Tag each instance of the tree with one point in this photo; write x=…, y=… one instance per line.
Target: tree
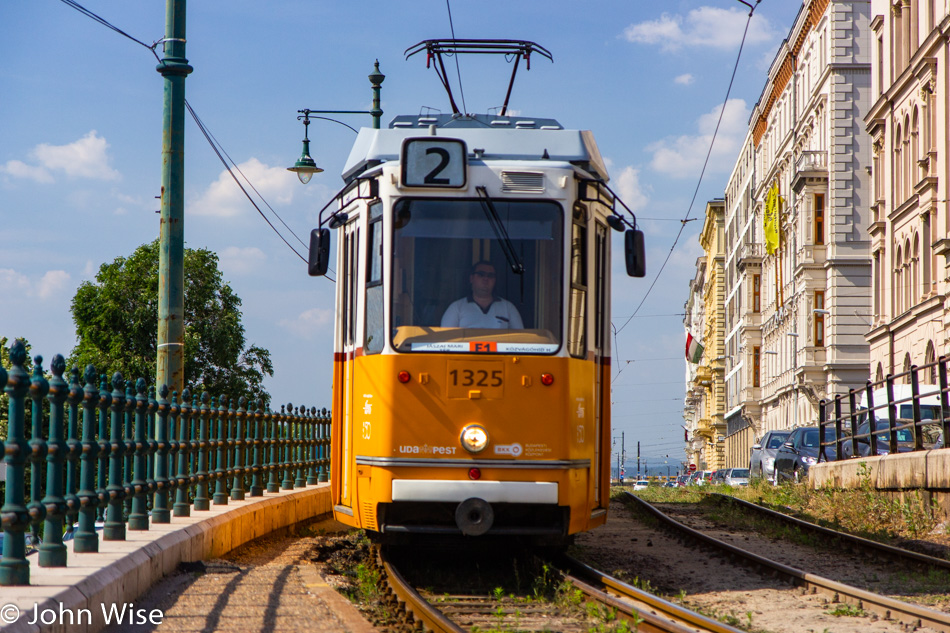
x=117, y=325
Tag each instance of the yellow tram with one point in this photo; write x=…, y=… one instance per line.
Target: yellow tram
x=472, y=340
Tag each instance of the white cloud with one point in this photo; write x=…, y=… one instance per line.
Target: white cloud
x=630, y=190
x=683, y=156
x=224, y=198
x=237, y=260
x=708, y=27
x=684, y=79
x=46, y=287
x=86, y=158
x=52, y=282
x=311, y=324
x=19, y=169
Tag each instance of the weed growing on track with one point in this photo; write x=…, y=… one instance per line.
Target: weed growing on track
x=847, y=610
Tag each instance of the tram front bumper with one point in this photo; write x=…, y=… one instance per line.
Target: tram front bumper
x=490, y=491
x=474, y=508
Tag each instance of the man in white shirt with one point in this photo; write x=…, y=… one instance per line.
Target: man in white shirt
x=482, y=309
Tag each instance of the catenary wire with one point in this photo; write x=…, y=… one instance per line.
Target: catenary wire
x=458, y=68
x=702, y=172
x=212, y=141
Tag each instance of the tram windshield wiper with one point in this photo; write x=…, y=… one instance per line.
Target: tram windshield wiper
x=500, y=232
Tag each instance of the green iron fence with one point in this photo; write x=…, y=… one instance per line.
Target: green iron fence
x=120, y=459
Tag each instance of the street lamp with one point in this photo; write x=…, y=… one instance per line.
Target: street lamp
x=306, y=167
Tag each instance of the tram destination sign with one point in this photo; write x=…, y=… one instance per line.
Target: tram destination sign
x=433, y=161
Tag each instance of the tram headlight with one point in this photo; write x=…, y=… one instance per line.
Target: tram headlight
x=474, y=438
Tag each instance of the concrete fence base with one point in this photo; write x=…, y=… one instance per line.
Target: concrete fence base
x=923, y=472
x=122, y=571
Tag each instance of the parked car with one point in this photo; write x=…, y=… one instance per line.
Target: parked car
x=799, y=452
x=641, y=484
x=905, y=440
x=929, y=402
x=700, y=478
x=718, y=476
x=762, y=461
x=670, y=484
x=736, y=477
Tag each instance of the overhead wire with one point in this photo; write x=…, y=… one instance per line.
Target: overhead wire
x=458, y=68
x=209, y=137
x=702, y=173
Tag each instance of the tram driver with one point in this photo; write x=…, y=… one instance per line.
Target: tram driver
x=481, y=308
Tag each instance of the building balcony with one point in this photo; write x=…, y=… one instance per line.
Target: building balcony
x=749, y=254
x=811, y=168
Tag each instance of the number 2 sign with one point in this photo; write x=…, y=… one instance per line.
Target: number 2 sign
x=433, y=161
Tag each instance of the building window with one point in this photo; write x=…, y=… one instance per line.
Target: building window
x=819, y=318
x=756, y=366
x=756, y=293
x=819, y=218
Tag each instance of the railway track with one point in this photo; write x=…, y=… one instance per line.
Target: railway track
x=613, y=599
x=885, y=607
x=850, y=541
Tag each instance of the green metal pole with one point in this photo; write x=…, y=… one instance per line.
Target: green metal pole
x=171, y=325
x=14, y=568
x=376, y=79
x=52, y=551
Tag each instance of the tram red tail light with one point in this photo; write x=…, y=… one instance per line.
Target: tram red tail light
x=474, y=473
x=547, y=379
x=403, y=376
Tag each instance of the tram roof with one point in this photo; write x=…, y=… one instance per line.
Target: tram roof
x=502, y=138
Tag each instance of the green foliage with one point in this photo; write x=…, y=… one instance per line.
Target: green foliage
x=117, y=325
x=848, y=610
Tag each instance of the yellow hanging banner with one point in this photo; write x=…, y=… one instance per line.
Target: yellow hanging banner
x=771, y=219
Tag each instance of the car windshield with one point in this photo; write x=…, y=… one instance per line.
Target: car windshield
x=739, y=472
x=810, y=437
x=453, y=288
x=776, y=441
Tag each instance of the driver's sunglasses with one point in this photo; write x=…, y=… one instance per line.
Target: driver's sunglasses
x=485, y=274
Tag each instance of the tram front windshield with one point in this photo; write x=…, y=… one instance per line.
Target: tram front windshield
x=453, y=284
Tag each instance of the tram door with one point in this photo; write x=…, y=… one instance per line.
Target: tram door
x=602, y=364
x=349, y=321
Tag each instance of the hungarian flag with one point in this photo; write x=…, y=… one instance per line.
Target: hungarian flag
x=694, y=350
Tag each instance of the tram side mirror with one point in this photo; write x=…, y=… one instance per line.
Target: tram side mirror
x=319, y=252
x=635, y=253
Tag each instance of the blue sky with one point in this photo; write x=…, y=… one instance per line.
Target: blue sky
x=80, y=150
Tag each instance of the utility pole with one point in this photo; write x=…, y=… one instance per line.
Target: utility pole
x=171, y=260
x=638, y=459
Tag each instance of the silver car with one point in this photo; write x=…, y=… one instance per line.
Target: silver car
x=762, y=462
x=737, y=477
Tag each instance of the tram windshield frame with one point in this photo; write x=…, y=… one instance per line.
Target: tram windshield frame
x=438, y=244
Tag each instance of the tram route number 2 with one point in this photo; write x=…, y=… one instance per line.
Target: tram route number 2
x=433, y=161
x=465, y=377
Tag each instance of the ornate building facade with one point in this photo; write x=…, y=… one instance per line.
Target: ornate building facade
x=797, y=253
x=910, y=229
x=706, y=393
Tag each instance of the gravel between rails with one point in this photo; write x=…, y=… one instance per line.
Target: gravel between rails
x=639, y=553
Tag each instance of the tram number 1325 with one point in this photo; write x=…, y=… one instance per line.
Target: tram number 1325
x=475, y=378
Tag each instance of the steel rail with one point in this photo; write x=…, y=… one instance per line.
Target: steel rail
x=652, y=613
x=887, y=607
x=433, y=619
x=880, y=548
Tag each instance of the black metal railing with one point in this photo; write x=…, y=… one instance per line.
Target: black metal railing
x=897, y=414
x=120, y=459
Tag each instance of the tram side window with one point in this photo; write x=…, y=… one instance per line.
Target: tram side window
x=577, y=318
x=375, y=322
